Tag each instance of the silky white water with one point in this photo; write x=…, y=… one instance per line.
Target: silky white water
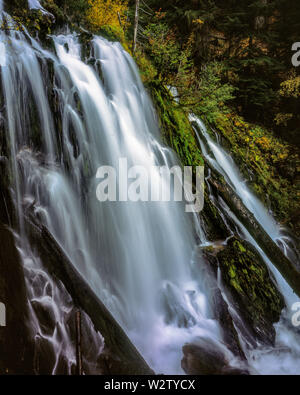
x=284, y=358
x=36, y=5
x=137, y=256
x=221, y=161
x=142, y=251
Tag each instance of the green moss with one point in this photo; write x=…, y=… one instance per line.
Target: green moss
x=268, y=163
x=247, y=279
x=240, y=246
x=175, y=125
x=113, y=33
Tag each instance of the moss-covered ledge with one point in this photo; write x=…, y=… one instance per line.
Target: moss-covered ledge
x=271, y=166
x=254, y=294
x=175, y=126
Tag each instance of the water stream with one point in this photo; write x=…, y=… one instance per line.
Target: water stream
x=284, y=358
x=137, y=256
x=65, y=117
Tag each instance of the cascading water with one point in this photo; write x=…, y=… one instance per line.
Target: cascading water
x=221, y=161
x=284, y=358
x=36, y=5
x=63, y=121
x=137, y=256
x=23, y=88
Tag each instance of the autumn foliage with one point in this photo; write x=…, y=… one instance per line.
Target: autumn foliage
x=105, y=12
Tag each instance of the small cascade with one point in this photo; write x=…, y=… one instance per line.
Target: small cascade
x=284, y=358
x=137, y=256
x=223, y=163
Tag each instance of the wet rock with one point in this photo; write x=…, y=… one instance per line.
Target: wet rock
x=214, y=226
x=173, y=310
x=59, y=266
x=44, y=357
x=230, y=335
x=7, y=212
x=48, y=361
x=11, y=5
x=91, y=61
x=92, y=343
x=45, y=316
x=219, y=305
x=16, y=346
x=288, y=270
x=202, y=359
x=206, y=357
x=252, y=291
x=232, y=371
x=111, y=364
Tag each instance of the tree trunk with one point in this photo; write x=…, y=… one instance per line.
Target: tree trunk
x=136, y=23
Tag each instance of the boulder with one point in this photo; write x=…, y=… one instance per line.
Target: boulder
x=206, y=357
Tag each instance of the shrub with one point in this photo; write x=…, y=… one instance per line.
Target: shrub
x=105, y=12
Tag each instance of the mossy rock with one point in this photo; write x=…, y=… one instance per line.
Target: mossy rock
x=214, y=225
x=269, y=164
x=176, y=128
x=11, y=5
x=253, y=291
x=219, y=306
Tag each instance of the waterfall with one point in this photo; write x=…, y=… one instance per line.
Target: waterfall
x=64, y=118
x=221, y=161
x=35, y=4
x=138, y=257
x=284, y=358
x=141, y=252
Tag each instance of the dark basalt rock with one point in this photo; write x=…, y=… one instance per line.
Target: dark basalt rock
x=7, y=212
x=206, y=357
x=11, y=5
x=45, y=316
x=225, y=320
x=219, y=305
x=213, y=224
x=251, y=289
x=16, y=348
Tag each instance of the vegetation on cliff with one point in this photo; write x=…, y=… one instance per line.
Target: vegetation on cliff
x=220, y=68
